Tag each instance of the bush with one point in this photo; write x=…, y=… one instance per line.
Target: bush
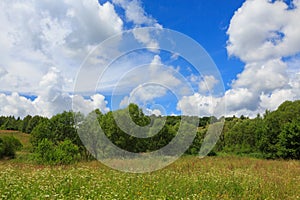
x=8, y=146
x=64, y=153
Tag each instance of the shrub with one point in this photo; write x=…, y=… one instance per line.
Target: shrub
x=8, y=146
x=64, y=153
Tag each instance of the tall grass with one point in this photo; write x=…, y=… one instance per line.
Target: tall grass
x=187, y=178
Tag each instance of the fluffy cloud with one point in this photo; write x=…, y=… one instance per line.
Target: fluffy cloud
x=263, y=76
x=50, y=33
x=37, y=35
x=152, y=81
x=198, y=105
x=134, y=12
x=50, y=100
x=87, y=105
x=261, y=30
x=240, y=98
x=263, y=34
x=208, y=83
x=16, y=105
x=155, y=112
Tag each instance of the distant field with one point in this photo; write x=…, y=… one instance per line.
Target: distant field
x=23, y=137
x=188, y=178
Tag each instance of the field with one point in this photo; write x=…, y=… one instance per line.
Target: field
x=187, y=178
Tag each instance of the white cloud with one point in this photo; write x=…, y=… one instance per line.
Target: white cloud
x=273, y=100
x=50, y=100
x=39, y=34
x=87, y=105
x=261, y=30
x=263, y=76
x=148, y=82
x=154, y=72
x=240, y=98
x=198, y=105
x=155, y=112
x=3, y=72
x=208, y=83
x=144, y=36
x=262, y=34
x=134, y=12
x=147, y=93
x=16, y=105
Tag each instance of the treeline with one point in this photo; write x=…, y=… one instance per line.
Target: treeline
x=59, y=140
x=274, y=135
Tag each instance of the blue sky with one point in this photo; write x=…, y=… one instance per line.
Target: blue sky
x=204, y=21
x=53, y=53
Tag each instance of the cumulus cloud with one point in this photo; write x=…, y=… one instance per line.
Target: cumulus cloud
x=262, y=34
x=198, y=105
x=265, y=36
x=87, y=105
x=152, y=81
x=240, y=98
x=134, y=12
x=51, y=99
x=16, y=105
x=39, y=34
x=208, y=83
x=263, y=76
x=155, y=112
x=262, y=30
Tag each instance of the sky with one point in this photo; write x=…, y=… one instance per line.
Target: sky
x=203, y=58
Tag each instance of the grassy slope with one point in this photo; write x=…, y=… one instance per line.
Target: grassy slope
x=23, y=137
x=208, y=178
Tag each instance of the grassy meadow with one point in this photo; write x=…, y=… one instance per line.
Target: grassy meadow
x=220, y=177
x=187, y=178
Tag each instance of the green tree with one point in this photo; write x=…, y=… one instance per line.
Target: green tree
x=289, y=141
x=33, y=122
x=25, y=123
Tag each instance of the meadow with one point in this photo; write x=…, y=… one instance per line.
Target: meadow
x=188, y=178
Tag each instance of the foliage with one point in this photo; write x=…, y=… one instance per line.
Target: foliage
x=273, y=135
x=289, y=141
x=8, y=146
x=63, y=153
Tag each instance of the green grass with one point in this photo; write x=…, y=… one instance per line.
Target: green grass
x=187, y=178
x=23, y=137
x=221, y=177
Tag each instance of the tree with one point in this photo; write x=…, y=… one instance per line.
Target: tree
x=41, y=132
x=289, y=141
x=25, y=123
x=33, y=122
x=65, y=127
